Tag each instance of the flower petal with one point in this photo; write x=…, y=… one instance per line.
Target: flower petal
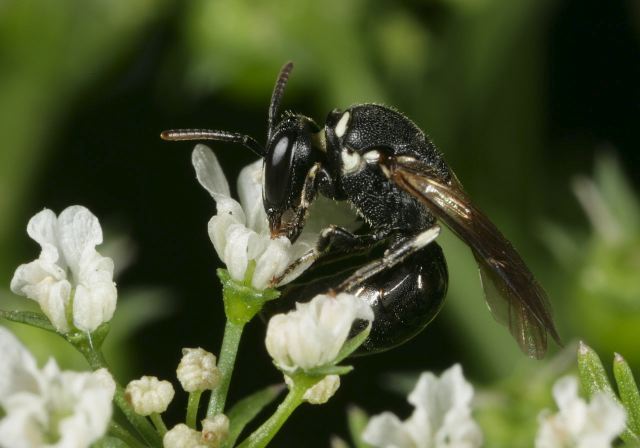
x=43, y=228
x=94, y=306
x=209, y=172
x=386, y=430
x=31, y=274
x=273, y=261
x=54, y=299
x=92, y=408
x=45, y=283
x=78, y=231
x=18, y=367
x=238, y=238
x=250, y=193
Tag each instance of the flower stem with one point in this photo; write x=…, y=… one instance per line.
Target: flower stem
x=192, y=408
x=158, y=423
x=230, y=343
x=96, y=361
x=263, y=435
x=118, y=431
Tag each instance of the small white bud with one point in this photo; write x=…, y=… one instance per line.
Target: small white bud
x=197, y=370
x=215, y=430
x=181, y=436
x=321, y=392
x=149, y=395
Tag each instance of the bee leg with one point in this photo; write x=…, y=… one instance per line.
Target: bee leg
x=333, y=240
x=391, y=257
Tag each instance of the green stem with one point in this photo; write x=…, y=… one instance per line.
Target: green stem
x=158, y=423
x=192, y=408
x=118, y=431
x=141, y=424
x=263, y=435
x=230, y=343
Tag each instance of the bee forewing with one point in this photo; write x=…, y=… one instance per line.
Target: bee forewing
x=514, y=296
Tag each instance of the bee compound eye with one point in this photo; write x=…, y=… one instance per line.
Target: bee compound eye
x=277, y=171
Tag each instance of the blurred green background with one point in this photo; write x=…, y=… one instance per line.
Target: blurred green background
x=535, y=105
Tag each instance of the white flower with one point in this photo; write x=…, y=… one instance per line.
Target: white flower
x=197, y=370
x=580, y=424
x=69, y=271
x=441, y=418
x=320, y=392
x=215, y=430
x=49, y=407
x=240, y=232
x=313, y=334
x=181, y=436
x=148, y=395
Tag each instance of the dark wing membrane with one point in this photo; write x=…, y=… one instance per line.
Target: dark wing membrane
x=514, y=296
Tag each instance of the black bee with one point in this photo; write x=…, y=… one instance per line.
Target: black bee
x=398, y=182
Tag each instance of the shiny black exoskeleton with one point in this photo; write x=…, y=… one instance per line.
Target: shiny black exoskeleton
x=387, y=169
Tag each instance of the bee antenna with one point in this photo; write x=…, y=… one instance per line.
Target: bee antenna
x=220, y=136
x=276, y=96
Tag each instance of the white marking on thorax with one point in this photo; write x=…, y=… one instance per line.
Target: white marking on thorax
x=341, y=127
x=372, y=156
x=351, y=161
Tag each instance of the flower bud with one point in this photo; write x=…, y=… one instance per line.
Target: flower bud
x=197, y=370
x=215, y=430
x=321, y=392
x=181, y=436
x=148, y=395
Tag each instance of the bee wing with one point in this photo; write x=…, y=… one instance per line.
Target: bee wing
x=513, y=295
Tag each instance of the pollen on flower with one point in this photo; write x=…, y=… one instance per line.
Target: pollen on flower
x=215, y=430
x=197, y=370
x=148, y=395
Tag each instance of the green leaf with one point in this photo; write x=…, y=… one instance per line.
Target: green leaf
x=245, y=410
x=594, y=379
x=352, y=344
x=357, y=420
x=628, y=393
x=592, y=374
x=33, y=318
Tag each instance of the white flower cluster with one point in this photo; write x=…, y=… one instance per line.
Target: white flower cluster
x=580, y=424
x=69, y=278
x=313, y=334
x=240, y=232
x=50, y=407
x=441, y=418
